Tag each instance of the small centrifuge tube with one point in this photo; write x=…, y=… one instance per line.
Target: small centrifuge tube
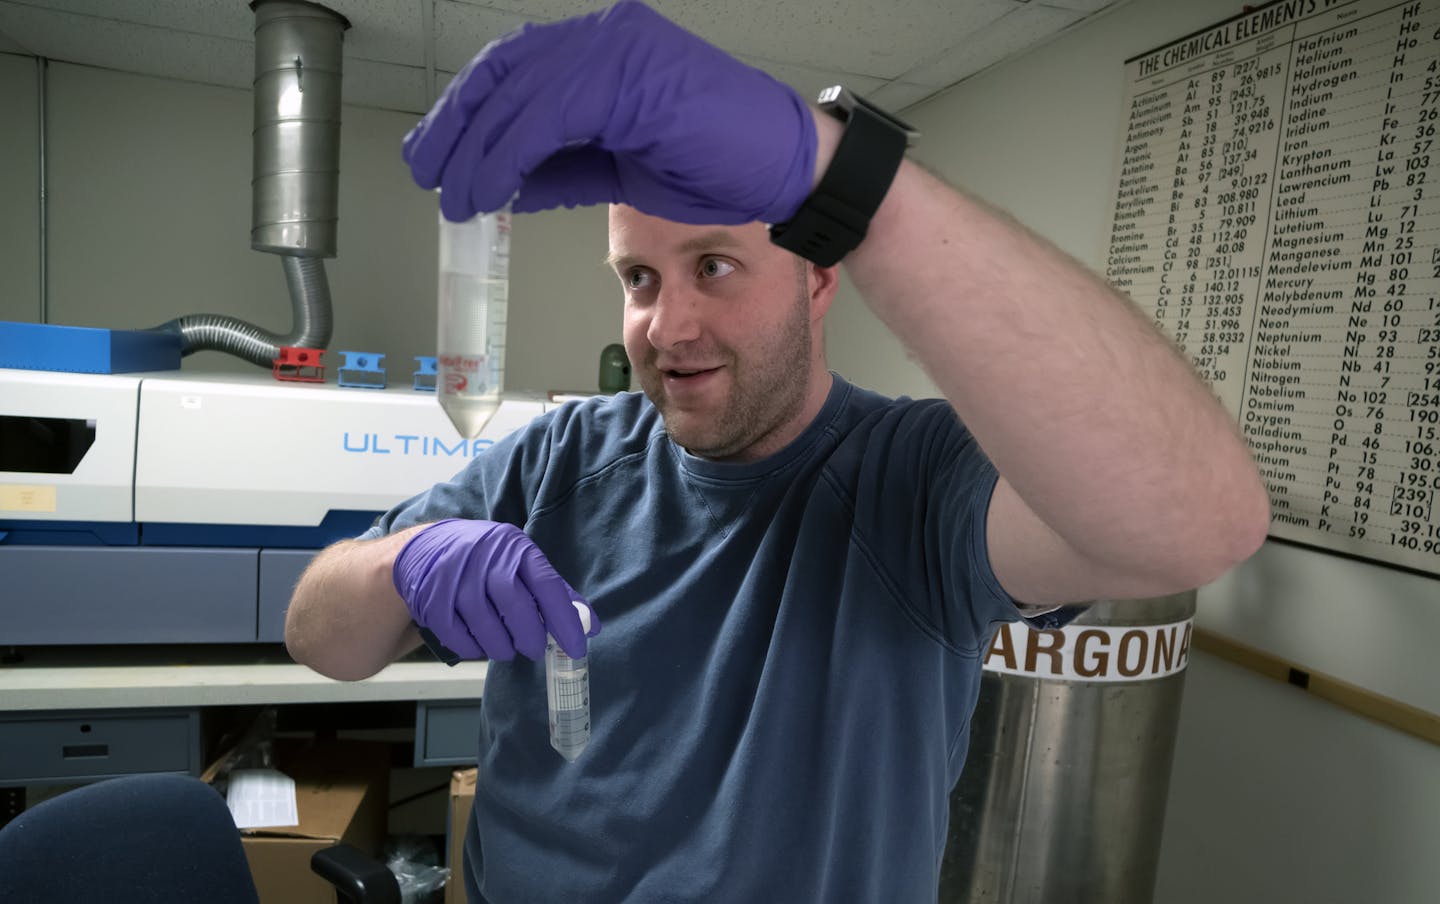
x=567, y=693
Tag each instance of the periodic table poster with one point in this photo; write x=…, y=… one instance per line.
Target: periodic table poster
x=1278, y=214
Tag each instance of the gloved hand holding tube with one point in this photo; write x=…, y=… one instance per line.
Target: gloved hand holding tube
x=619, y=106
x=486, y=591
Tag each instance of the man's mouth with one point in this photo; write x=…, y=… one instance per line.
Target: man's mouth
x=680, y=373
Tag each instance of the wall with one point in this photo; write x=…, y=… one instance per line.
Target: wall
x=1278, y=797
x=149, y=218
x=1275, y=796
x=19, y=189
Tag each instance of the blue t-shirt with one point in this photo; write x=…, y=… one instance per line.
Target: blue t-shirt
x=790, y=655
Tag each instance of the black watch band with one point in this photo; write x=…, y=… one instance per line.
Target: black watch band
x=834, y=219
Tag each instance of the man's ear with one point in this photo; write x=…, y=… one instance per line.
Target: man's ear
x=821, y=283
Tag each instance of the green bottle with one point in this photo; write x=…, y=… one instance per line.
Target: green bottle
x=614, y=369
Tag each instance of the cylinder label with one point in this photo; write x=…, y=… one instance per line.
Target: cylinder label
x=1091, y=652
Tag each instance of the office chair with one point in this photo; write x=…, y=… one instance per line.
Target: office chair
x=152, y=839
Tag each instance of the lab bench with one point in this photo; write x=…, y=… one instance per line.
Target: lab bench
x=79, y=714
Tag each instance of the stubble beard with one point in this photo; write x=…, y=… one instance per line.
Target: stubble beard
x=767, y=392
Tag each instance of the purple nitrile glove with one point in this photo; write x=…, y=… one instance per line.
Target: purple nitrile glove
x=487, y=592
x=619, y=106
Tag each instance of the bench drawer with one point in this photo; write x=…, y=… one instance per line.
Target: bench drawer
x=447, y=733
x=78, y=747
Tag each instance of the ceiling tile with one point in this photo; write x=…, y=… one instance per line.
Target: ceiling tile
x=916, y=43
x=809, y=82
x=386, y=86
x=841, y=34
x=1006, y=37
x=1082, y=6
x=385, y=30
x=10, y=46
x=844, y=34
x=220, y=18
x=129, y=47
x=462, y=29
x=541, y=10
x=388, y=31
x=896, y=96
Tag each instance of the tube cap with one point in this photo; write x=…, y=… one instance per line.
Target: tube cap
x=584, y=611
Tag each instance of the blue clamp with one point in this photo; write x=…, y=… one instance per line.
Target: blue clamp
x=361, y=370
x=427, y=375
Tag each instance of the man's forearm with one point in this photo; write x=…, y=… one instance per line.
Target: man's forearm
x=1093, y=417
x=345, y=619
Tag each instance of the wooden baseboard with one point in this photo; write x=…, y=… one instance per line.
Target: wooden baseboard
x=1401, y=716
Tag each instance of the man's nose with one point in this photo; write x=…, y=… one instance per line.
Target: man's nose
x=675, y=317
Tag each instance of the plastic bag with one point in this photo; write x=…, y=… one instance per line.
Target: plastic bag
x=255, y=749
x=414, y=862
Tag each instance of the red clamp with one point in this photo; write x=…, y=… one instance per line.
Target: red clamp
x=299, y=365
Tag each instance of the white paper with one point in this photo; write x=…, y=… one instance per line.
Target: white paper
x=262, y=798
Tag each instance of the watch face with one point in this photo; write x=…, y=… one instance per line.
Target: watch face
x=841, y=103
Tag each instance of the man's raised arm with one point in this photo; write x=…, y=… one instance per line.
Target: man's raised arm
x=1121, y=475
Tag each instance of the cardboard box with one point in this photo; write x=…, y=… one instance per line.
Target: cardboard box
x=462, y=801
x=341, y=794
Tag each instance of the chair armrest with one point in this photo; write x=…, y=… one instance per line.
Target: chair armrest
x=358, y=877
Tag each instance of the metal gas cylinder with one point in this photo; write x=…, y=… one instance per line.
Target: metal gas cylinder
x=1063, y=793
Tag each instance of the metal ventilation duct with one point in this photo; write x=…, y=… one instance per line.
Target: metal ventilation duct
x=296, y=185
x=296, y=174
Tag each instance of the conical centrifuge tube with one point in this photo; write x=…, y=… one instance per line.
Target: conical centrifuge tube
x=473, y=291
x=567, y=694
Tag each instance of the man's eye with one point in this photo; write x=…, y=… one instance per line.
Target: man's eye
x=714, y=267
x=637, y=279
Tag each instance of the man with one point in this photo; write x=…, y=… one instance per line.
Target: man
x=797, y=578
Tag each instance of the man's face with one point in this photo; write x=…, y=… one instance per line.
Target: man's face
x=719, y=328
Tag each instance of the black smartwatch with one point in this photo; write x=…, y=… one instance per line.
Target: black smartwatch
x=833, y=220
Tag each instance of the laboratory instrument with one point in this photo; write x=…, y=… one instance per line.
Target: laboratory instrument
x=145, y=507
x=473, y=286
x=161, y=508
x=567, y=694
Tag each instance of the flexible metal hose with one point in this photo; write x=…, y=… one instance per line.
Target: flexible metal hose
x=309, y=302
